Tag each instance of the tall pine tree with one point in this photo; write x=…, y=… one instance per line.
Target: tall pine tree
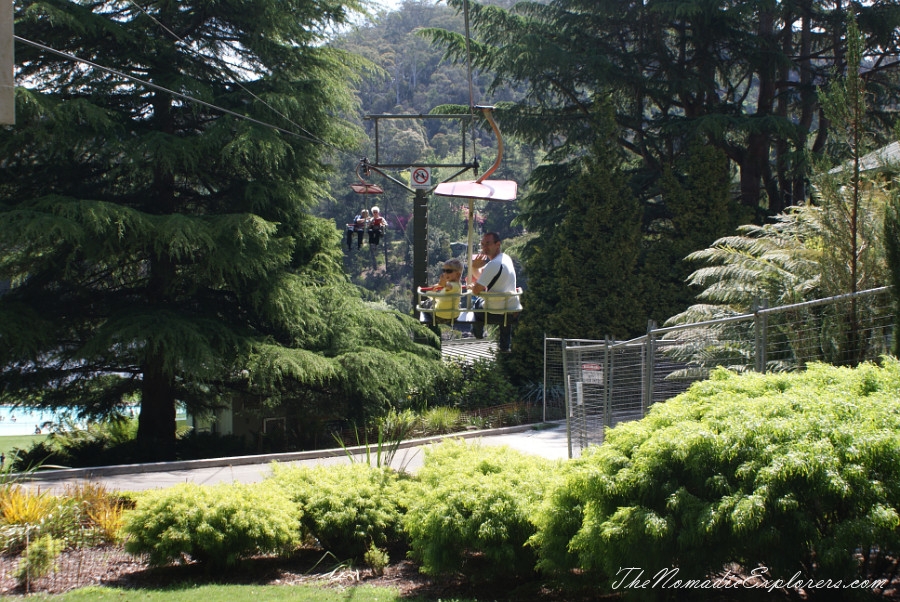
x=697, y=208
x=159, y=247
x=582, y=272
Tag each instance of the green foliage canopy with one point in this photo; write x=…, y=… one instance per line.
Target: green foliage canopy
x=475, y=499
x=159, y=249
x=793, y=472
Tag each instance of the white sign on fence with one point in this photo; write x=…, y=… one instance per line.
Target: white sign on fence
x=592, y=374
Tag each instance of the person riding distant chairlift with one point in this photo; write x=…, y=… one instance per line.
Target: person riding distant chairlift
x=376, y=226
x=493, y=271
x=358, y=225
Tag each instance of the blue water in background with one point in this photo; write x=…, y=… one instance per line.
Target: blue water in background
x=21, y=421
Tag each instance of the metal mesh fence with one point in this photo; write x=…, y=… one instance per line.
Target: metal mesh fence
x=843, y=331
x=607, y=382
x=554, y=383
x=82, y=563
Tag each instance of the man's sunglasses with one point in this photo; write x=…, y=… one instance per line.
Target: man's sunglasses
x=448, y=270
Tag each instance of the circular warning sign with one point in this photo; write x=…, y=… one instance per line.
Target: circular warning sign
x=420, y=177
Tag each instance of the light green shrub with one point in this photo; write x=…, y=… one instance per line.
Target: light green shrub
x=440, y=421
x=473, y=499
x=215, y=525
x=797, y=473
x=39, y=559
x=376, y=559
x=347, y=507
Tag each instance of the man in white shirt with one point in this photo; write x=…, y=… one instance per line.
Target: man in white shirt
x=493, y=271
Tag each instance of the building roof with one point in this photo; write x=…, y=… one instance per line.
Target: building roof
x=468, y=350
x=883, y=158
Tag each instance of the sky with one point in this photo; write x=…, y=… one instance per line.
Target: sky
x=395, y=4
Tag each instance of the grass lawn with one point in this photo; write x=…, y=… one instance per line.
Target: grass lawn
x=236, y=593
x=19, y=441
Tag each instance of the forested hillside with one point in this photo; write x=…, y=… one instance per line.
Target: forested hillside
x=409, y=75
x=708, y=114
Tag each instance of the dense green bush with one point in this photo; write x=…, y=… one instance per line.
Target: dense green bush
x=217, y=525
x=464, y=385
x=798, y=473
x=475, y=500
x=484, y=384
x=347, y=508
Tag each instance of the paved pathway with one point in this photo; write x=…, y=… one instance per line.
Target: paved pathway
x=547, y=440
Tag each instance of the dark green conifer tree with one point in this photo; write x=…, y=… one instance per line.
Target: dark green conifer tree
x=696, y=208
x=158, y=247
x=581, y=272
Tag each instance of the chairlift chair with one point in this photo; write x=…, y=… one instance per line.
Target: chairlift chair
x=482, y=188
x=489, y=190
x=364, y=187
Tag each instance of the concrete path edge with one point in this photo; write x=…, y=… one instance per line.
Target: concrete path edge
x=120, y=469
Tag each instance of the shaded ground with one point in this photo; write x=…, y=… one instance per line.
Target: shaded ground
x=112, y=567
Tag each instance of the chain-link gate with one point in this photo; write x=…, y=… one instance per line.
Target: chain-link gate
x=613, y=382
x=608, y=382
x=553, y=393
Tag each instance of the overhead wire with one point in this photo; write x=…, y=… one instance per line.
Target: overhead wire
x=180, y=95
x=188, y=98
x=306, y=135
x=220, y=63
